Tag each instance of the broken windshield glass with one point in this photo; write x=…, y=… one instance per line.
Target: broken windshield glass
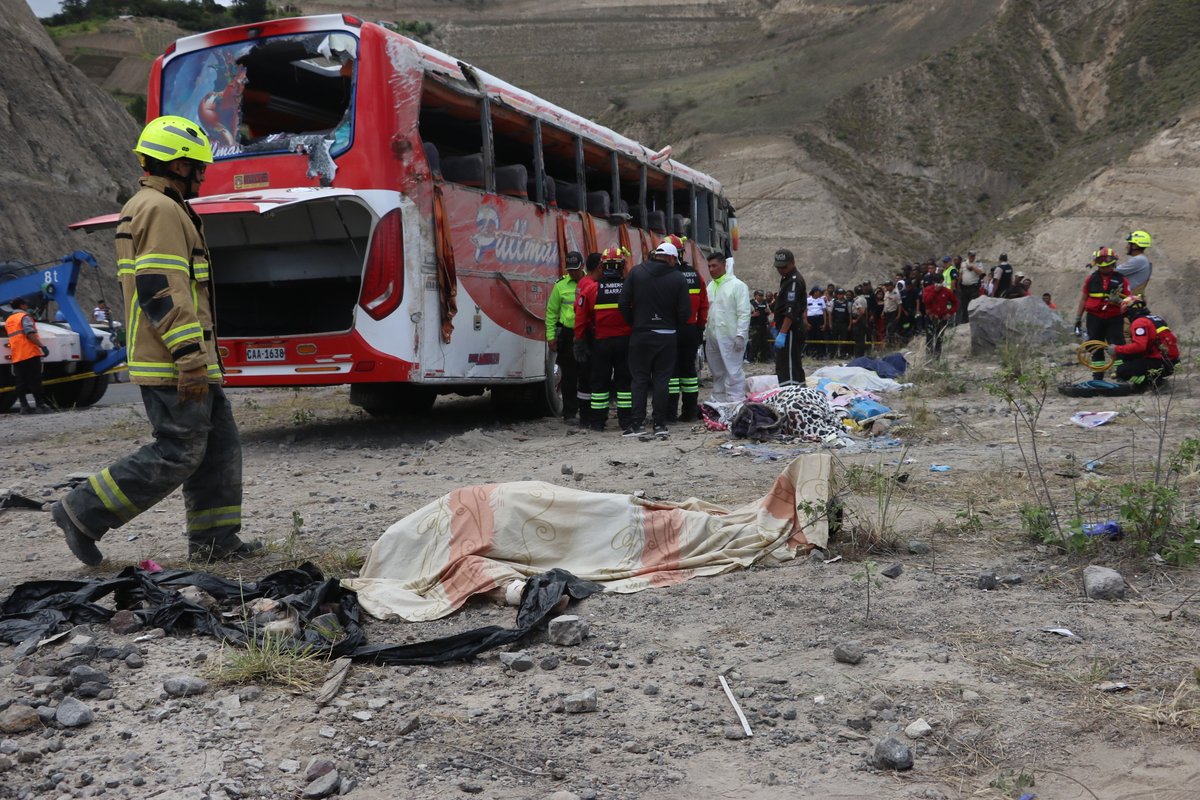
x=278, y=94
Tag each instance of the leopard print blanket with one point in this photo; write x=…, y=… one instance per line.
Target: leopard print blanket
x=805, y=414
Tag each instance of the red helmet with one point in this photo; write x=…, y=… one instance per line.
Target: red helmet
x=612, y=254
x=675, y=240
x=1105, y=257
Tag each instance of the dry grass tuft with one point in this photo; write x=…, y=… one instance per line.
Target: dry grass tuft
x=272, y=661
x=1179, y=709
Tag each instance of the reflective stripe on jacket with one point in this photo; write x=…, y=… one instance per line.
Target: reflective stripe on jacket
x=19, y=345
x=1098, y=291
x=162, y=263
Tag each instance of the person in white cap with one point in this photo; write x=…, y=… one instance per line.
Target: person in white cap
x=725, y=335
x=655, y=303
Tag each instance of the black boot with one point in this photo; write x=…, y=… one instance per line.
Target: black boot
x=673, y=407
x=691, y=407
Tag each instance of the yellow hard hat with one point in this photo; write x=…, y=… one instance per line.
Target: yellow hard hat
x=1140, y=239
x=168, y=138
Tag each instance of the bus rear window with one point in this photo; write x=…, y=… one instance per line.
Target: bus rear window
x=264, y=95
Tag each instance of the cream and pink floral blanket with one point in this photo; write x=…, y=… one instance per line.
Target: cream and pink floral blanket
x=480, y=538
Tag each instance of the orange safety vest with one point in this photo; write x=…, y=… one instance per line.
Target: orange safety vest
x=18, y=343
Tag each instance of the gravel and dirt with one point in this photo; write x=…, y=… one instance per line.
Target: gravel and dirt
x=1006, y=708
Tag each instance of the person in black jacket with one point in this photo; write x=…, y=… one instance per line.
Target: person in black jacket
x=790, y=310
x=655, y=303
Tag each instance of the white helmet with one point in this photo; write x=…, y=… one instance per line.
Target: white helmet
x=667, y=249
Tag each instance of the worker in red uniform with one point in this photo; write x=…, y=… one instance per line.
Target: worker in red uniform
x=685, y=382
x=598, y=320
x=582, y=345
x=25, y=349
x=1103, y=292
x=941, y=305
x=1152, y=352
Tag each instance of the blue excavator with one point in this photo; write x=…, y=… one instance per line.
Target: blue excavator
x=80, y=354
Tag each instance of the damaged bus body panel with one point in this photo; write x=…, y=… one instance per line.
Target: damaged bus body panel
x=383, y=215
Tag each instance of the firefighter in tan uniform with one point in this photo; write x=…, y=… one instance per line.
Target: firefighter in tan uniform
x=162, y=263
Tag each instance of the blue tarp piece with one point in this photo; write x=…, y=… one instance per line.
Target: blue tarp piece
x=890, y=366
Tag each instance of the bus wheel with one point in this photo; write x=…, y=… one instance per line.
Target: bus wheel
x=547, y=398
x=392, y=399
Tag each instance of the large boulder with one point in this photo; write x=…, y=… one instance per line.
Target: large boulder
x=1025, y=321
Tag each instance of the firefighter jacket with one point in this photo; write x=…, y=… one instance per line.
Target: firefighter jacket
x=1102, y=294
x=162, y=263
x=560, y=307
x=20, y=326
x=1143, y=340
x=596, y=312
x=697, y=296
x=728, y=309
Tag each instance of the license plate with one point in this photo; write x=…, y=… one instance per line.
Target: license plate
x=265, y=354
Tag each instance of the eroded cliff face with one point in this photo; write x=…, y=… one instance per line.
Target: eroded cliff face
x=64, y=150
x=860, y=135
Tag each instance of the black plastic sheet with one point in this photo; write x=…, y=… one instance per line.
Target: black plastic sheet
x=328, y=615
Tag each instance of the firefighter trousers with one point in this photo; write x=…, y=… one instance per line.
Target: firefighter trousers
x=685, y=379
x=1105, y=329
x=609, y=376
x=196, y=446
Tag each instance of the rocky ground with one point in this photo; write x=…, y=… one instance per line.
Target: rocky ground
x=949, y=666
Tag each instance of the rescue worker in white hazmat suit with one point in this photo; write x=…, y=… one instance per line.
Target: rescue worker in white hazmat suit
x=725, y=335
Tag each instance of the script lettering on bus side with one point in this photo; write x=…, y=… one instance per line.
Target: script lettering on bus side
x=513, y=246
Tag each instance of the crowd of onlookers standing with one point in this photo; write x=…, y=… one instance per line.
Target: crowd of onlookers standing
x=919, y=299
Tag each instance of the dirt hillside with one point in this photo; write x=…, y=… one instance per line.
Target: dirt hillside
x=64, y=144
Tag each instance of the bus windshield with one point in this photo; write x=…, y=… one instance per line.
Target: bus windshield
x=268, y=95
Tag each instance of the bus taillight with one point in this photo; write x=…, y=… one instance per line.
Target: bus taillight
x=383, y=282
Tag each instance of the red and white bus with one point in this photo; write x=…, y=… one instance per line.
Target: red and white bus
x=383, y=215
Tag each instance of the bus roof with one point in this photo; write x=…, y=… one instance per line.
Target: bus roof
x=435, y=61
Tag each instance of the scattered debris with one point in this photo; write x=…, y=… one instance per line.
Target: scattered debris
x=1093, y=419
x=736, y=708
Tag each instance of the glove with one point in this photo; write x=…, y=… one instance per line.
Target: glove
x=1079, y=327
x=45, y=351
x=1111, y=350
x=739, y=343
x=781, y=340
x=580, y=350
x=193, y=385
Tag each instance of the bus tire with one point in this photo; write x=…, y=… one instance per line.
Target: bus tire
x=392, y=399
x=547, y=398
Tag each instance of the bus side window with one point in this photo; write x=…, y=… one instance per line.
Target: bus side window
x=451, y=129
x=558, y=152
x=513, y=144
x=597, y=165
x=656, y=201
x=630, y=203
x=700, y=224
x=681, y=220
